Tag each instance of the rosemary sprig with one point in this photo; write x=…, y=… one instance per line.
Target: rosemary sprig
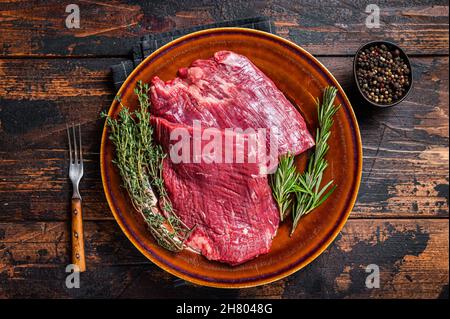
x=139, y=160
x=303, y=190
x=284, y=183
x=309, y=195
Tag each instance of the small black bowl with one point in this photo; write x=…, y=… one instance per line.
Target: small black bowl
x=391, y=46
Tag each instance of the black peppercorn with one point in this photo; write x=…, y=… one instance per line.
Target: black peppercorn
x=382, y=73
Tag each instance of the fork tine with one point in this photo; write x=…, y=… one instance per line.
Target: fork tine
x=75, y=144
x=70, y=144
x=81, y=148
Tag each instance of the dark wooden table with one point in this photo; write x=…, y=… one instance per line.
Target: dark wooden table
x=51, y=75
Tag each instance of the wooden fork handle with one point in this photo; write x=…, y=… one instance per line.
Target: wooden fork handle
x=78, y=257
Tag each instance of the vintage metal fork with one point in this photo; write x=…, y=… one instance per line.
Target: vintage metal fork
x=75, y=174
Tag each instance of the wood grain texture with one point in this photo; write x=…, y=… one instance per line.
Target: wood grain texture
x=37, y=28
x=77, y=236
x=412, y=257
x=403, y=146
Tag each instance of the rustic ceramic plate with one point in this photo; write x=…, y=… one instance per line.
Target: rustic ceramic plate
x=301, y=78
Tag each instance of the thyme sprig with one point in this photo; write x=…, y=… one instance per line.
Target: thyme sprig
x=303, y=192
x=139, y=160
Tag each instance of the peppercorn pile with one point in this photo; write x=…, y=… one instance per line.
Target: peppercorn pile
x=382, y=73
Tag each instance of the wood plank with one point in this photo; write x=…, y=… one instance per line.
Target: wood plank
x=405, y=169
x=37, y=28
x=412, y=256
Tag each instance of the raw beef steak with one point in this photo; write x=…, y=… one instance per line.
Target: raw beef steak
x=228, y=91
x=230, y=203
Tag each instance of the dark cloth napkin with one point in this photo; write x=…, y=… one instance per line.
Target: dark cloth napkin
x=152, y=42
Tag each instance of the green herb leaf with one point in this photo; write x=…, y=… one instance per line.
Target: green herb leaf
x=283, y=183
